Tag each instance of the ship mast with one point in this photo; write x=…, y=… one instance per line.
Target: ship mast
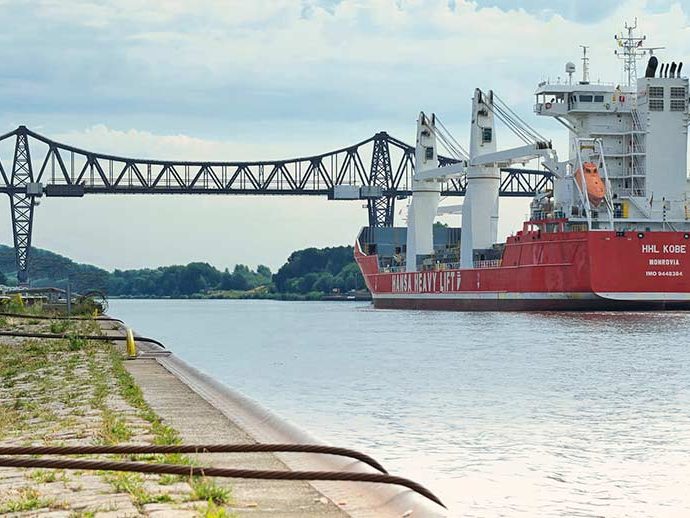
x=633, y=49
x=585, y=65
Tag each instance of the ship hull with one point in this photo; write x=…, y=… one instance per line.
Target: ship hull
x=520, y=302
x=567, y=271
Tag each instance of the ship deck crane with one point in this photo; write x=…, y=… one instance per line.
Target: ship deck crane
x=498, y=159
x=481, y=167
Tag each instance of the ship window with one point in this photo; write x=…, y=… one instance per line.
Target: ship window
x=677, y=105
x=656, y=105
x=677, y=92
x=585, y=98
x=429, y=153
x=486, y=135
x=656, y=91
x=598, y=98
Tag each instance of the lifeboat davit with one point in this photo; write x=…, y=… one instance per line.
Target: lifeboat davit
x=596, y=190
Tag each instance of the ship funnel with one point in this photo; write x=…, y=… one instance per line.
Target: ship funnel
x=651, y=67
x=672, y=72
x=680, y=65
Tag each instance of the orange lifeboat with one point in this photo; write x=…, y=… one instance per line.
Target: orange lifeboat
x=596, y=190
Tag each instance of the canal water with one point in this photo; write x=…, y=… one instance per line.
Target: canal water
x=514, y=414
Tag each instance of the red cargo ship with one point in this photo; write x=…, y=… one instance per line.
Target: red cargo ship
x=612, y=234
x=538, y=271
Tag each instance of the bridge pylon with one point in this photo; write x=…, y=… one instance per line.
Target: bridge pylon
x=22, y=204
x=381, y=210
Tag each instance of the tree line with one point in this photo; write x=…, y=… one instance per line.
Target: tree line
x=311, y=271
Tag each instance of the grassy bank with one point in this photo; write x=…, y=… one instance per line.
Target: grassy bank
x=74, y=391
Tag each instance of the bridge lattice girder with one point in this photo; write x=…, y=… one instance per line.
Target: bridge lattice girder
x=42, y=166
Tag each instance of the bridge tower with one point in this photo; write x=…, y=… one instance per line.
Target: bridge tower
x=381, y=209
x=22, y=204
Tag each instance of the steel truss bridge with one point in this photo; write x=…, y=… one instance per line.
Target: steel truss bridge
x=378, y=170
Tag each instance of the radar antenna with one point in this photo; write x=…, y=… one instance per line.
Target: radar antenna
x=633, y=49
x=585, y=65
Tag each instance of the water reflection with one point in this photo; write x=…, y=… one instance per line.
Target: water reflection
x=535, y=414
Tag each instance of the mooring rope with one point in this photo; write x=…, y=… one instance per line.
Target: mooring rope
x=62, y=336
x=191, y=448
x=44, y=317
x=176, y=469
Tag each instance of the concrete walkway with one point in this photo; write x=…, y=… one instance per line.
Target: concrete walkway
x=198, y=422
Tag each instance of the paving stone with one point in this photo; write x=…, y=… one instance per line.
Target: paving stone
x=57, y=409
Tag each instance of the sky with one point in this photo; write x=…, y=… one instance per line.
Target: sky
x=264, y=79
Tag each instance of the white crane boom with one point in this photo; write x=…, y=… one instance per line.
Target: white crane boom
x=515, y=155
x=441, y=174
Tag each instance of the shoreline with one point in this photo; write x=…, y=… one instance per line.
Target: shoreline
x=196, y=408
x=285, y=297
x=360, y=500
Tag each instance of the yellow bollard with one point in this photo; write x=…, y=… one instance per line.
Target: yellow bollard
x=131, y=346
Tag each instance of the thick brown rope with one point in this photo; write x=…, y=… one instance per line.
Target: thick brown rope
x=173, y=469
x=191, y=448
x=60, y=317
x=102, y=338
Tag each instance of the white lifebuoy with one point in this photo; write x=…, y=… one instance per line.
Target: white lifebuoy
x=547, y=106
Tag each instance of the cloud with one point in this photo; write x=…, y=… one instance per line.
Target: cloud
x=581, y=11
x=262, y=79
x=236, y=62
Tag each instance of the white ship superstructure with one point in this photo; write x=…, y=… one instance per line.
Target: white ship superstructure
x=635, y=134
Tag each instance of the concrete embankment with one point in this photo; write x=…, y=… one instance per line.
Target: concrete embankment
x=79, y=392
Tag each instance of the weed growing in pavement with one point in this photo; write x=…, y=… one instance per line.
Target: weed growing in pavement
x=114, y=429
x=133, y=484
x=59, y=326
x=207, y=489
x=43, y=476
x=213, y=511
x=28, y=499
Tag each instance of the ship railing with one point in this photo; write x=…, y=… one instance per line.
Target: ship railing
x=637, y=122
x=387, y=268
x=631, y=192
x=488, y=263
